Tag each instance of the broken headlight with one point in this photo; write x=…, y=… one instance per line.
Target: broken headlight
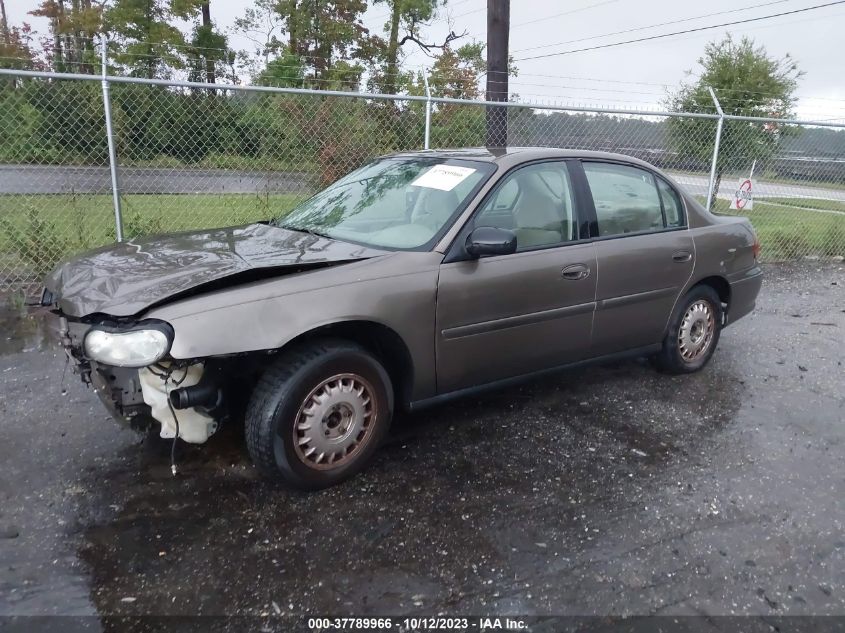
x=137, y=346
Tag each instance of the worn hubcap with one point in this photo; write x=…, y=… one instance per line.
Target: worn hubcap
x=696, y=332
x=334, y=421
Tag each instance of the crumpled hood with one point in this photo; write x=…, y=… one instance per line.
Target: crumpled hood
x=126, y=278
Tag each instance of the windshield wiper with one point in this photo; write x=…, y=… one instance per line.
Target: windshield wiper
x=301, y=230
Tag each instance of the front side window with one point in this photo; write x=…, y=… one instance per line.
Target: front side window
x=401, y=203
x=625, y=198
x=536, y=203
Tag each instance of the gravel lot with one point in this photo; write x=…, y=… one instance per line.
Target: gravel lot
x=610, y=490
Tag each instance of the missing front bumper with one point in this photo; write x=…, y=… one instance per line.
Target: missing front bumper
x=190, y=424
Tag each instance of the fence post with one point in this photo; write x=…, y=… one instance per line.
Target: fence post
x=427, y=110
x=710, y=193
x=115, y=189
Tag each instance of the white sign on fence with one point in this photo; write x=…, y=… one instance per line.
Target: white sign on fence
x=743, y=197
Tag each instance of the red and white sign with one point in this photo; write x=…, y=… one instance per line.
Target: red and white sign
x=743, y=197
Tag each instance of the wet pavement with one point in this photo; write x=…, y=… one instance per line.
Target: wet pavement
x=610, y=490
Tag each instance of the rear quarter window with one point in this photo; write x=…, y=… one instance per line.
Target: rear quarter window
x=672, y=205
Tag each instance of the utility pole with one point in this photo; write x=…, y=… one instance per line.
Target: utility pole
x=7, y=40
x=209, y=55
x=498, y=28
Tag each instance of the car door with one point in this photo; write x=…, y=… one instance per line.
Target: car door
x=644, y=251
x=508, y=315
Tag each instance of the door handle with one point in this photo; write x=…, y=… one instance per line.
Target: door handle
x=679, y=257
x=575, y=272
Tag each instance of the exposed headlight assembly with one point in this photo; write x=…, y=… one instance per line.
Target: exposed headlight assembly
x=136, y=346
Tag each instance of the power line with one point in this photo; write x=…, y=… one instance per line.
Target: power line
x=579, y=101
x=695, y=30
x=585, y=88
x=610, y=81
x=578, y=10
x=650, y=26
x=460, y=15
x=387, y=13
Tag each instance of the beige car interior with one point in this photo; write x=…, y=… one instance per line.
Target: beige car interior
x=540, y=214
x=625, y=198
x=433, y=208
x=431, y=211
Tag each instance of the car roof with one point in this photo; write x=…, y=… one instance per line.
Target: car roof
x=510, y=156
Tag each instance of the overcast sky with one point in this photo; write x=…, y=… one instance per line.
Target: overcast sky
x=632, y=75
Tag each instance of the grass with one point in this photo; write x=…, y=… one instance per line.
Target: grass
x=37, y=231
x=804, y=203
x=793, y=227
x=88, y=220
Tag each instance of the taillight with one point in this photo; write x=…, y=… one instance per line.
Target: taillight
x=755, y=248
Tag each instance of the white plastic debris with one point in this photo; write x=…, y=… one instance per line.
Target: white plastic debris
x=194, y=427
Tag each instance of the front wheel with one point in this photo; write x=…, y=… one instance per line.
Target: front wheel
x=318, y=414
x=693, y=332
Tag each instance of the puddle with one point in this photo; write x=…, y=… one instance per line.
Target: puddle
x=23, y=330
x=613, y=489
x=437, y=521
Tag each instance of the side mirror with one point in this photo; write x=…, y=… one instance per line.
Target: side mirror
x=489, y=240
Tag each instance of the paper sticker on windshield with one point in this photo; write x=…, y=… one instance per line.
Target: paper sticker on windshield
x=443, y=177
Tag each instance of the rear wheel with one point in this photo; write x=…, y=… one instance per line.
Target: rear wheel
x=318, y=414
x=693, y=332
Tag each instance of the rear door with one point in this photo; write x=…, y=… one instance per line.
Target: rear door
x=508, y=315
x=645, y=254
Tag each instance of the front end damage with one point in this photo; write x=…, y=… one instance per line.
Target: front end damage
x=109, y=290
x=185, y=397
x=166, y=388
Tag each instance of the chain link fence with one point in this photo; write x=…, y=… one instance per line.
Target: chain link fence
x=197, y=156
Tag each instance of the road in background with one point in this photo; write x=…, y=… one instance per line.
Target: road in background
x=54, y=179
x=697, y=184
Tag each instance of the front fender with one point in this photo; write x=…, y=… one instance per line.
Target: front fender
x=398, y=291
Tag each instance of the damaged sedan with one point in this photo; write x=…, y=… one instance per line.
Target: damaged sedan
x=418, y=277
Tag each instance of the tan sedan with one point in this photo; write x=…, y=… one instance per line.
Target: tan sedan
x=419, y=277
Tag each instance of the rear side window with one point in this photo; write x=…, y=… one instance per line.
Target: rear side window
x=625, y=198
x=671, y=204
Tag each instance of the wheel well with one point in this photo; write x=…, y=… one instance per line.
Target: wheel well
x=381, y=341
x=720, y=285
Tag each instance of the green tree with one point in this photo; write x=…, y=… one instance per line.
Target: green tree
x=16, y=47
x=208, y=47
x=264, y=27
x=325, y=39
x=286, y=71
x=148, y=44
x=747, y=82
x=409, y=15
x=73, y=26
x=324, y=33
x=456, y=72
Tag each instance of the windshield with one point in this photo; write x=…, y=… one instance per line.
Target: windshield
x=402, y=203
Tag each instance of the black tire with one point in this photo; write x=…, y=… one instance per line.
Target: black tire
x=281, y=396
x=671, y=358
